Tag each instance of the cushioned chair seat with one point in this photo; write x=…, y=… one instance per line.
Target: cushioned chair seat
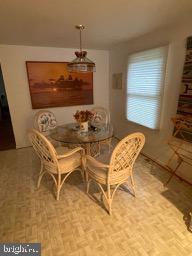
x=68, y=163
x=61, y=150
x=100, y=174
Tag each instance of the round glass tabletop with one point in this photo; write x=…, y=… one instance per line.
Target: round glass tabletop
x=70, y=133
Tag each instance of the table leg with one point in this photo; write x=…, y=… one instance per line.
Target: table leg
x=92, y=149
x=95, y=149
x=88, y=148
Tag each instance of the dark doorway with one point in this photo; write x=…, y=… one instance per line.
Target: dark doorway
x=7, y=140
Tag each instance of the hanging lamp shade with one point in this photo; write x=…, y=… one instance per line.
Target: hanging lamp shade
x=81, y=63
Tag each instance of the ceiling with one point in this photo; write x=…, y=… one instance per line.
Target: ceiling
x=51, y=22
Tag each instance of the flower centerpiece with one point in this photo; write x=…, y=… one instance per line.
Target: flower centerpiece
x=82, y=117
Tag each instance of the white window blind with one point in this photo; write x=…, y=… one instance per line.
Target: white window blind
x=145, y=82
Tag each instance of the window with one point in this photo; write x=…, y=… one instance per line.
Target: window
x=145, y=82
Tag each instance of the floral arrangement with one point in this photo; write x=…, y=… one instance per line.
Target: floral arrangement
x=83, y=116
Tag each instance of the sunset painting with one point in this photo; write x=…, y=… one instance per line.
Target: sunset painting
x=51, y=85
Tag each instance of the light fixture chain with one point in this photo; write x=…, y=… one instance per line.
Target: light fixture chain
x=80, y=41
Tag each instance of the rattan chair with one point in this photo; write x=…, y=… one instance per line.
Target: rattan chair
x=44, y=122
x=56, y=162
x=102, y=117
x=119, y=169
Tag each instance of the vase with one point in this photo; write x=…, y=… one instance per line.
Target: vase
x=84, y=126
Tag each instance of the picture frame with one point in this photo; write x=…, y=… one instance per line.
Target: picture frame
x=117, y=81
x=52, y=85
x=183, y=120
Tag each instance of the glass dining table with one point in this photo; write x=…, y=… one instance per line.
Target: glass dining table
x=71, y=135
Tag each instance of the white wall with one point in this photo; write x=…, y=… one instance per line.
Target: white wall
x=156, y=141
x=12, y=59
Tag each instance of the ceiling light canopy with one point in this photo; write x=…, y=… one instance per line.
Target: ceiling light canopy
x=81, y=63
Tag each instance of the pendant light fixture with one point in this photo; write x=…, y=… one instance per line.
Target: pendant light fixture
x=81, y=63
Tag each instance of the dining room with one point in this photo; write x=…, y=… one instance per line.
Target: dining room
x=101, y=115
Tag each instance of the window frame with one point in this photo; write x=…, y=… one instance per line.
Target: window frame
x=163, y=87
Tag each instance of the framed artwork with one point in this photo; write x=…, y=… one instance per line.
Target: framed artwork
x=51, y=85
x=184, y=109
x=117, y=81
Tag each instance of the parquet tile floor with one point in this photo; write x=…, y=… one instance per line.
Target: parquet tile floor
x=150, y=224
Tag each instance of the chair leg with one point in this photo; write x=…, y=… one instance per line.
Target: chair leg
x=58, y=193
x=39, y=180
x=58, y=186
x=83, y=175
x=83, y=169
x=88, y=185
x=86, y=177
x=133, y=185
x=87, y=182
x=41, y=173
x=109, y=199
x=60, y=182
